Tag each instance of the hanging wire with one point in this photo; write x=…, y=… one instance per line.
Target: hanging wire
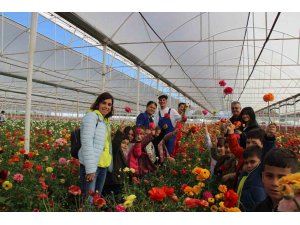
x=275, y=21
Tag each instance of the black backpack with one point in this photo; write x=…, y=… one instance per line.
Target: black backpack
x=75, y=141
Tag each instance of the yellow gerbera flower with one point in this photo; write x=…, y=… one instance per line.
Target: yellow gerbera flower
x=49, y=169
x=219, y=196
x=201, y=184
x=211, y=200
x=127, y=204
x=7, y=185
x=130, y=198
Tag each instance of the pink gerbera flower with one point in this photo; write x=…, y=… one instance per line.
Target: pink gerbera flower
x=62, y=161
x=207, y=195
x=18, y=177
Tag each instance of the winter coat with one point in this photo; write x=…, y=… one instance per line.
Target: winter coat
x=253, y=191
x=93, y=139
x=266, y=206
x=136, y=152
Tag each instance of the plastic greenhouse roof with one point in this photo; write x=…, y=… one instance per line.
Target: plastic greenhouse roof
x=255, y=53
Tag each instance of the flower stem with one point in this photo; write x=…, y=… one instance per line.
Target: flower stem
x=297, y=203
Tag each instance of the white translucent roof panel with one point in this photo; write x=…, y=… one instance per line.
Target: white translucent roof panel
x=196, y=50
x=62, y=73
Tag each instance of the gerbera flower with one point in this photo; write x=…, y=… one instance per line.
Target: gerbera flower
x=127, y=109
x=18, y=177
x=7, y=185
x=74, y=190
x=222, y=188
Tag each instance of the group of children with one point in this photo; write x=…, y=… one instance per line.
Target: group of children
x=253, y=172
x=139, y=148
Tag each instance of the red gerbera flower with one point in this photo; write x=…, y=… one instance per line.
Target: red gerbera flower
x=128, y=109
x=98, y=201
x=168, y=190
x=74, y=190
x=230, y=198
x=205, y=111
x=22, y=151
x=222, y=83
x=228, y=91
x=157, y=194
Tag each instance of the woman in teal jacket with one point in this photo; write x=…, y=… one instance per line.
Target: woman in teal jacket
x=95, y=154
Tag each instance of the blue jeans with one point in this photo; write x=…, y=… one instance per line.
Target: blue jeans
x=97, y=184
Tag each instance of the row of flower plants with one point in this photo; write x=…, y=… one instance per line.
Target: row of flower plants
x=48, y=178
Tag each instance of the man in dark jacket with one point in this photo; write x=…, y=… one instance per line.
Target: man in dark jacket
x=236, y=110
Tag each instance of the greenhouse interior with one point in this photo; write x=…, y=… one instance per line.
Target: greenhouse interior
x=55, y=66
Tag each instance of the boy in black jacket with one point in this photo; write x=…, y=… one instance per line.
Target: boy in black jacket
x=277, y=163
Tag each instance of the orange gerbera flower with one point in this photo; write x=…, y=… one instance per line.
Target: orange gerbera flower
x=222, y=188
x=269, y=97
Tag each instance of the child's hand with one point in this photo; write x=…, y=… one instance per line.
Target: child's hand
x=229, y=127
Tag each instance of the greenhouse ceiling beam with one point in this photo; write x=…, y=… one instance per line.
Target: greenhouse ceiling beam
x=78, y=22
x=181, y=78
x=279, y=102
x=18, y=100
x=58, y=86
x=43, y=96
x=36, y=103
x=156, y=42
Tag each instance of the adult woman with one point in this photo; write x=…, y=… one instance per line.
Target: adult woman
x=95, y=154
x=249, y=122
x=146, y=117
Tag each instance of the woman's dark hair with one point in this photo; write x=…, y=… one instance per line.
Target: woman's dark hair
x=102, y=98
x=282, y=158
x=151, y=102
x=248, y=111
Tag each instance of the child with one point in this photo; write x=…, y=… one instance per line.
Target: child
x=250, y=187
x=256, y=137
x=137, y=157
x=115, y=179
x=226, y=163
x=277, y=163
